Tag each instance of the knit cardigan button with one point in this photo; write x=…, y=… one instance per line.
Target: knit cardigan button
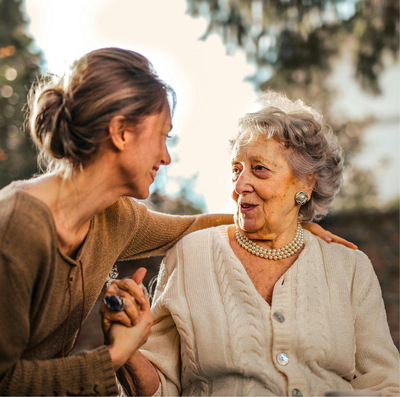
x=279, y=317
x=282, y=359
x=297, y=393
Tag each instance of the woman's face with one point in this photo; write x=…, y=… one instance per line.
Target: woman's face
x=264, y=188
x=146, y=152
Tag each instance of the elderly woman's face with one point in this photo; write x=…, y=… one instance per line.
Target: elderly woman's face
x=264, y=187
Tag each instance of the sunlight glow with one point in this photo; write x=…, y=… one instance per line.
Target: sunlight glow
x=209, y=84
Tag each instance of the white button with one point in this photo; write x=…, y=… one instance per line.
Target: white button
x=282, y=359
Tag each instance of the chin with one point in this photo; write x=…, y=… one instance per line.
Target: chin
x=248, y=227
x=144, y=196
x=141, y=195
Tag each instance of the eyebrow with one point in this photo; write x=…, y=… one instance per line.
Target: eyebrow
x=259, y=159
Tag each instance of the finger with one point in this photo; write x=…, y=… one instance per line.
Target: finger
x=340, y=240
x=139, y=275
x=112, y=289
x=130, y=286
x=329, y=237
x=145, y=307
x=125, y=295
x=120, y=317
x=132, y=309
x=129, y=316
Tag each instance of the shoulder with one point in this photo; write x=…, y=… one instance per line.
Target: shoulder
x=124, y=206
x=201, y=239
x=124, y=213
x=128, y=211
x=341, y=262
x=196, y=246
x=338, y=253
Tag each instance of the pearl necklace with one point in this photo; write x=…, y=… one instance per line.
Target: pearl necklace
x=274, y=254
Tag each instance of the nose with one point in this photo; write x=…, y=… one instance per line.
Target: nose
x=166, y=159
x=243, y=183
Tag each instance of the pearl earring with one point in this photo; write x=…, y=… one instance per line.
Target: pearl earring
x=301, y=197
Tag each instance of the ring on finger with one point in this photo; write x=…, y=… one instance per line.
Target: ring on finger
x=114, y=303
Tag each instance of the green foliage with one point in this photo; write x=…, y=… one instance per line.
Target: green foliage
x=18, y=68
x=294, y=43
x=300, y=34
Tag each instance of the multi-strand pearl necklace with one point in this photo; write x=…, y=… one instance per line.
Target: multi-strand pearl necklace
x=274, y=254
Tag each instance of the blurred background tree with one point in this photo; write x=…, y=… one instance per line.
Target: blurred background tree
x=295, y=44
x=19, y=65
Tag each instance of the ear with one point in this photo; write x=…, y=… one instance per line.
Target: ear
x=116, y=129
x=310, y=184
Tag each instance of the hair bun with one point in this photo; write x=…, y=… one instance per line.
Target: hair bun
x=51, y=126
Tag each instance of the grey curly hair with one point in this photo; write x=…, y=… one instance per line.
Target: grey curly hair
x=313, y=148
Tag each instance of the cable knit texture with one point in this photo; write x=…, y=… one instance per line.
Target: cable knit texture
x=214, y=334
x=34, y=297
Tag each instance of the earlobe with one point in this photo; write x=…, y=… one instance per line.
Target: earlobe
x=311, y=184
x=116, y=129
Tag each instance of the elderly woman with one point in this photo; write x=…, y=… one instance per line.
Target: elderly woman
x=264, y=307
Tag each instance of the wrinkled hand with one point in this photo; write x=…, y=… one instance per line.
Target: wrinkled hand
x=130, y=289
x=125, y=341
x=329, y=237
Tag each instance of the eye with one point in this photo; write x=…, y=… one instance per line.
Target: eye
x=261, y=171
x=235, y=172
x=235, y=169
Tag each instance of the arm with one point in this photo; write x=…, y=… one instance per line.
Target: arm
x=377, y=359
x=28, y=368
x=153, y=234
x=138, y=376
x=158, y=362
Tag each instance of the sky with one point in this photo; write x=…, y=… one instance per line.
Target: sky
x=210, y=86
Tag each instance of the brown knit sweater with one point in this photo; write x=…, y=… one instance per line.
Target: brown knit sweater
x=36, y=277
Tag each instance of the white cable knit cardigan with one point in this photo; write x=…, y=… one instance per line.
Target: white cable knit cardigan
x=214, y=334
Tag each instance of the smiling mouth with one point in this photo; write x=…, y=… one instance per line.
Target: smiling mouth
x=244, y=207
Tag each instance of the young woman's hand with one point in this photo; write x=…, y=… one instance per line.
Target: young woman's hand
x=329, y=237
x=125, y=341
x=126, y=330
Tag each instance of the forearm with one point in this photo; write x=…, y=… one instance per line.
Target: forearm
x=87, y=373
x=138, y=376
x=156, y=233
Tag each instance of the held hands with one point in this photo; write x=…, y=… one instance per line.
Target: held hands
x=125, y=331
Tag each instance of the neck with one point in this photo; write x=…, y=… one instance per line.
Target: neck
x=73, y=202
x=273, y=237
x=273, y=254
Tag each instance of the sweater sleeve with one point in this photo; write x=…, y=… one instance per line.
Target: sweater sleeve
x=86, y=373
x=153, y=233
x=377, y=359
x=163, y=346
